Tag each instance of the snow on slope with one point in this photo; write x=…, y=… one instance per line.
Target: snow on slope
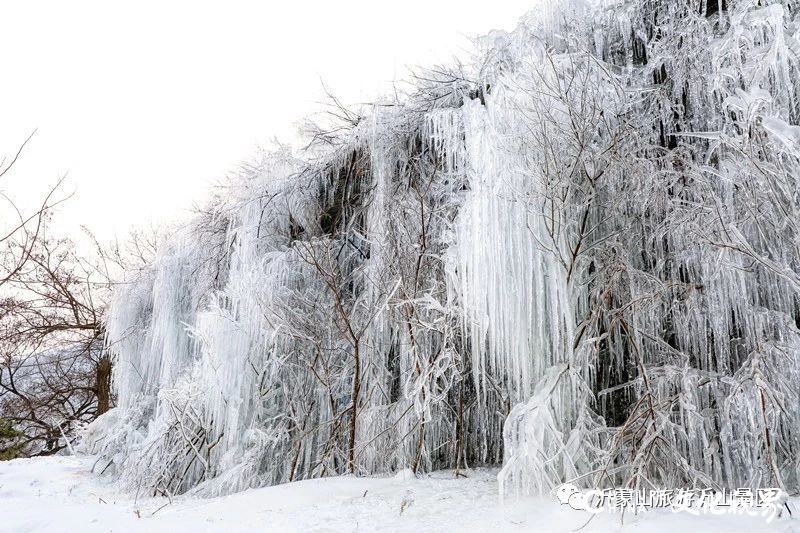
x=54, y=494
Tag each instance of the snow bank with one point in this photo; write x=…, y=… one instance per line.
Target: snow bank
x=56, y=494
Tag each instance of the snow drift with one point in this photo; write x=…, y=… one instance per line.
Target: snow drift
x=578, y=257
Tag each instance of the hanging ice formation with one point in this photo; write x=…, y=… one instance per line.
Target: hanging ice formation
x=579, y=259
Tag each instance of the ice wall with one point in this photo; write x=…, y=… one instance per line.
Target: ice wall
x=577, y=258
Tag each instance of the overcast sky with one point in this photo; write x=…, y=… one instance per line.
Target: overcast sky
x=144, y=104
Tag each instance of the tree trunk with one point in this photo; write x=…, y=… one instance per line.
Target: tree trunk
x=351, y=452
x=103, y=385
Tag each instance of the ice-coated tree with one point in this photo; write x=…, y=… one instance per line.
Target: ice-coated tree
x=577, y=257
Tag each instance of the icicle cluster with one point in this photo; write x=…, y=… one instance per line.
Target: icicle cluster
x=579, y=258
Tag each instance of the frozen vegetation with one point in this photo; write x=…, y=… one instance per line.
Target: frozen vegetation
x=576, y=258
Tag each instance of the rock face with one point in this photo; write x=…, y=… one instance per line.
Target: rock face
x=577, y=257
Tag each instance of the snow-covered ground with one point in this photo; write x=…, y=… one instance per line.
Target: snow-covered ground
x=56, y=494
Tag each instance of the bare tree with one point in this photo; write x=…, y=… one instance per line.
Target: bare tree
x=54, y=372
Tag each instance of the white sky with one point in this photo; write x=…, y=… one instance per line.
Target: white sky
x=144, y=104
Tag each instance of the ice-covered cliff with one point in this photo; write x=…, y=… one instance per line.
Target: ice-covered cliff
x=578, y=257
